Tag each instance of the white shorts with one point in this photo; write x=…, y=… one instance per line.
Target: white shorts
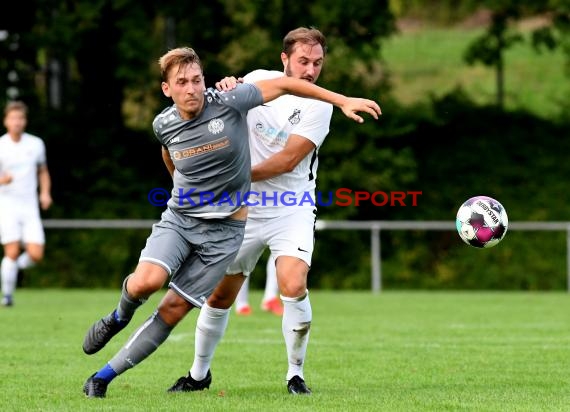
x=288, y=235
x=21, y=222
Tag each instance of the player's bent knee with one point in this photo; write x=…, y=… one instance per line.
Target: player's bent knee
x=35, y=251
x=226, y=292
x=143, y=285
x=222, y=298
x=297, y=292
x=36, y=257
x=173, y=311
x=220, y=302
x=12, y=250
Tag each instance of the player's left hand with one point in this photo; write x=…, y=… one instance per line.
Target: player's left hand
x=45, y=201
x=228, y=83
x=353, y=105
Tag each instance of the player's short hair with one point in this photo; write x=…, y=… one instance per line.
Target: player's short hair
x=16, y=105
x=180, y=56
x=304, y=35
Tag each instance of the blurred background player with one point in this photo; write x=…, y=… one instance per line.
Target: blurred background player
x=23, y=168
x=270, y=301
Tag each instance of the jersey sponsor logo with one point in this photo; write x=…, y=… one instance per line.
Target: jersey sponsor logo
x=202, y=149
x=270, y=135
x=216, y=126
x=295, y=118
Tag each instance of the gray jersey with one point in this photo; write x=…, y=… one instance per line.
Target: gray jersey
x=210, y=153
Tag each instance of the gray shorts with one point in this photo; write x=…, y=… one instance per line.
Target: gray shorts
x=195, y=252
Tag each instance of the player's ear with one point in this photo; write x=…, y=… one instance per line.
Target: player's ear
x=165, y=89
x=284, y=59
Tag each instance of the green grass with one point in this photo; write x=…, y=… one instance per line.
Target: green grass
x=430, y=62
x=396, y=351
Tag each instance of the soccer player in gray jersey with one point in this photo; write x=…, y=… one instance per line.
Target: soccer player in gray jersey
x=205, y=148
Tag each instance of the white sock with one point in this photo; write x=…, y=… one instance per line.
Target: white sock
x=9, y=274
x=242, y=298
x=25, y=261
x=210, y=327
x=271, y=286
x=296, y=324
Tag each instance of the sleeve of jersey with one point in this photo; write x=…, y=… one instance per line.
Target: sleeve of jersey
x=156, y=128
x=42, y=160
x=315, y=123
x=243, y=97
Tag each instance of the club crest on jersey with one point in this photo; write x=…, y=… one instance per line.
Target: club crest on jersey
x=216, y=126
x=295, y=118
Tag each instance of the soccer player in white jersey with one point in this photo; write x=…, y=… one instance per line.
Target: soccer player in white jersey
x=205, y=148
x=285, y=136
x=23, y=170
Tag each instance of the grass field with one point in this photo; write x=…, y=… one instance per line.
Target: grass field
x=396, y=351
x=430, y=62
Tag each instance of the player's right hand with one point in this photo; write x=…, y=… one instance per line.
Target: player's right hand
x=353, y=105
x=228, y=83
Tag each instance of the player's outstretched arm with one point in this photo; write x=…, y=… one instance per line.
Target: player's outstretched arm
x=350, y=106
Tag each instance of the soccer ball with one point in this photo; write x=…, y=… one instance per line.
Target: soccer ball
x=482, y=222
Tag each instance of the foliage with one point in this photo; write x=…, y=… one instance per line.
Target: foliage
x=514, y=157
x=433, y=12
x=556, y=35
x=490, y=48
x=88, y=71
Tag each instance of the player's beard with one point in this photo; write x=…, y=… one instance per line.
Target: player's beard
x=289, y=73
x=191, y=109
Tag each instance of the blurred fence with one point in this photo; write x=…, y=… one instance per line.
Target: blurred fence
x=374, y=226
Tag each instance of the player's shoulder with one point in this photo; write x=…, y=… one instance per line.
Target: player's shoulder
x=212, y=95
x=165, y=113
x=243, y=92
x=221, y=97
x=164, y=120
x=32, y=137
x=261, y=74
x=168, y=113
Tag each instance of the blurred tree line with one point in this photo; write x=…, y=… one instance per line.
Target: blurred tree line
x=89, y=72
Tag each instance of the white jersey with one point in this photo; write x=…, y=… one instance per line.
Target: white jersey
x=21, y=160
x=270, y=126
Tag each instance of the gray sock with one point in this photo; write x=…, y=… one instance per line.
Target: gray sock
x=144, y=341
x=127, y=304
